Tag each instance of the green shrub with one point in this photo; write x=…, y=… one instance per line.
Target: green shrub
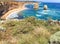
x=55, y=38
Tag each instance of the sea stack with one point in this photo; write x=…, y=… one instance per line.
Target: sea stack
x=36, y=6
x=45, y=7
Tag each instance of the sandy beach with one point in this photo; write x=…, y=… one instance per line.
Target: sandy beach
x=11, y=11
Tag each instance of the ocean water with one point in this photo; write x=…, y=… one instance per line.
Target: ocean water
x=53, y=11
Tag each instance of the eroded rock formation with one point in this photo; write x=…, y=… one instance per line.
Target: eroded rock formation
x=45, y=7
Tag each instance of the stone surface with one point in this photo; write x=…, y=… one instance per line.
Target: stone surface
x=45, y=7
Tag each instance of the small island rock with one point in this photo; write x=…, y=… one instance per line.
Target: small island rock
x=45, y=7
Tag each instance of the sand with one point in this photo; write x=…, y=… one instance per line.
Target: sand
x=9, y=12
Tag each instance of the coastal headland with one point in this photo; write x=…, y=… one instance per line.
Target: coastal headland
x=8, y=7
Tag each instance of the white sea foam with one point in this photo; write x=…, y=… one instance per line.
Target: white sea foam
x=38, y=15
x=44, y=12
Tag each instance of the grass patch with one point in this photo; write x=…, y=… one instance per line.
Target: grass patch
x=28, y=31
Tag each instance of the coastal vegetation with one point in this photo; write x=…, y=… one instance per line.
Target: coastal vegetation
x=27, y=31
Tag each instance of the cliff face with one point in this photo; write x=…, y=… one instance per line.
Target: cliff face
x=7, y=6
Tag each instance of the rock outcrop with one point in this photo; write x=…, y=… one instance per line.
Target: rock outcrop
x=45, y=7
x=36, y=6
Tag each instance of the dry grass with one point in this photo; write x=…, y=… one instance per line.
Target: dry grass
x=27, y=31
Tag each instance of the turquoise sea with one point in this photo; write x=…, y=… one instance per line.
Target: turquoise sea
x=53, y=11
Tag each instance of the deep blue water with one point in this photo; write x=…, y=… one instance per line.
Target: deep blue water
x=53, y=11
x=53, y=5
